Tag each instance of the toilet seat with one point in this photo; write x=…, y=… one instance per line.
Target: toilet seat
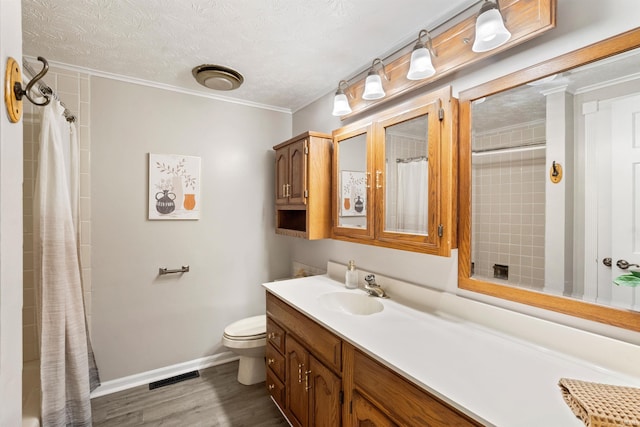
x=251, y=328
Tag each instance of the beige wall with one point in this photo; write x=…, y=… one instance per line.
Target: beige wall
x=142, y=321
x=579, y=23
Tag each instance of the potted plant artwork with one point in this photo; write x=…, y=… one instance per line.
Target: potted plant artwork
x=174, y=186
x=353, y=193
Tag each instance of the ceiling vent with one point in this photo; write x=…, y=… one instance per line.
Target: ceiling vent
x=217, y=77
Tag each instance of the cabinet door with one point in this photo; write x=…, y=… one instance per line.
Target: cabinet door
x=353, y=195
x=282, y=175
x=296, y=394
x=298, y=172
x=408, y=163
x=324, y=388
x=408, y=191
x=366, y=415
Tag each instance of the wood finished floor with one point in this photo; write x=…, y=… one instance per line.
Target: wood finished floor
x=214, y=399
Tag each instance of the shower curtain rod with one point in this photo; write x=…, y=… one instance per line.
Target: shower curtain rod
x=44, y=89
x=412, y=159
x=516, y=149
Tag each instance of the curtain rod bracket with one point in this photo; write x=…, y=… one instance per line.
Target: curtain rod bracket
x=19, y=92
x=13, y=91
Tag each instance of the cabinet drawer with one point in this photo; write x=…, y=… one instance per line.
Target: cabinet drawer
x=276, y=389
x=320, y=342
x=275, y=362
x=275, y=335
x=403, y=401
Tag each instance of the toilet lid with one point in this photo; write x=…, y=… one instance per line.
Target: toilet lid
x=251, y=327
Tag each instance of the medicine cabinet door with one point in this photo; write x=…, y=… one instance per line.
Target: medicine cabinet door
x=406, y=177
x=352, y=190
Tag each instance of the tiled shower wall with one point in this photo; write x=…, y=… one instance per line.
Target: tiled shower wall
x=398, y=147
x=73, y=90
x=508, y=206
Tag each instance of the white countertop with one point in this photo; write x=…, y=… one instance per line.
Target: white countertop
x=494, y=378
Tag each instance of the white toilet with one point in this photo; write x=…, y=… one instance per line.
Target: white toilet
x=248, y=338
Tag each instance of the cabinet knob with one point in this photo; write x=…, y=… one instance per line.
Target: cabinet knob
x=272, y=335
x=270, y=361
x=271, y=387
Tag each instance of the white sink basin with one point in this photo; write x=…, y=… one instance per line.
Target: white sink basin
x=351, y=303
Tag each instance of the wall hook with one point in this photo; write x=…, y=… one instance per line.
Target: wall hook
x=19, y=92
x=13, y=91
x=555, y=173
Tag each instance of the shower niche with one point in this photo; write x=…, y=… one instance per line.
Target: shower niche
x=393, y=177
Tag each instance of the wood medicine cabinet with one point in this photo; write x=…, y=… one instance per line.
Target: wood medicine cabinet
x=303, y=186
x=394, y=177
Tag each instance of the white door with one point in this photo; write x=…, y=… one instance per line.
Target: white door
x=625, y=195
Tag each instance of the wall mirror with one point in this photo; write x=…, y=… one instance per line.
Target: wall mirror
x=550, y=184
x=353, y=198
x=393, y=176
x=407, y=176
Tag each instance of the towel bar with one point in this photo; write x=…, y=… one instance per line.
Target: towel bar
x=164, y=270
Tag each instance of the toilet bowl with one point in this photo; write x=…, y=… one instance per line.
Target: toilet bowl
x=247, y=339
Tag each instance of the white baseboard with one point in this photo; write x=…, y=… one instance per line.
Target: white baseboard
x=143, y=378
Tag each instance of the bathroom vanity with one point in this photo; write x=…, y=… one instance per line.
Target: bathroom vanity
x=339, y=357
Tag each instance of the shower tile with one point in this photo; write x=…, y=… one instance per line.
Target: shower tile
x=85, y=254
x=29, y=344
x=84, y=90
x=87, y=303
x=84, y=114
x=84, y=161
x=85, y=208
x=29, y=316
x=67, y=88
x=85, y=185
x=85, y=232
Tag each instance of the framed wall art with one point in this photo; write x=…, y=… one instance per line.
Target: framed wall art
x=174, y=186
x=353, y=193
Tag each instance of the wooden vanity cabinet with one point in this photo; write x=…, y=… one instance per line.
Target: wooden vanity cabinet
x=303, y=186
x=319, y=380
x=275, y=360
x=381, y=397
x=312, y=368
x=365, y=414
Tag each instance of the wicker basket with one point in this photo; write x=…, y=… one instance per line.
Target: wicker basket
x=602, y=405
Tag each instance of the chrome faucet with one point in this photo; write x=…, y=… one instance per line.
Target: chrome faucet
x=372, y=288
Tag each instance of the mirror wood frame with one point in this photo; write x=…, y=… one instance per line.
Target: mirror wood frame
x=622, y=318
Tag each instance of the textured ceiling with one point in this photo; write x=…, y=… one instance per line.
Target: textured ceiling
x=527, y=103
x=290, y=52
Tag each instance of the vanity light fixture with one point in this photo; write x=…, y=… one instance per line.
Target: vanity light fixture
x=340, y=101
x=421, y=66
x=373, y=84
x=490, y=29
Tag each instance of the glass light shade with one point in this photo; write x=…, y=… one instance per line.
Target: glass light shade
x=373, y=87
x=421, y=66
x=341, y=105
x=490, y=31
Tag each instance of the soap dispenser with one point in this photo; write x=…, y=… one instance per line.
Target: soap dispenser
x=351, y=276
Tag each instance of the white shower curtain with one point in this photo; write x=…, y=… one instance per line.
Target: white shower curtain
x=413, y=196
x=67, y=367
